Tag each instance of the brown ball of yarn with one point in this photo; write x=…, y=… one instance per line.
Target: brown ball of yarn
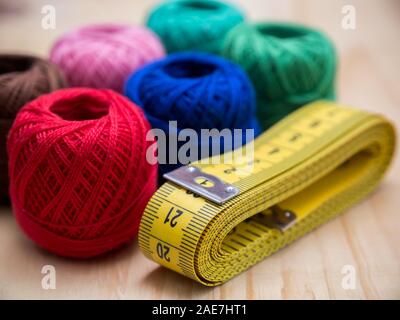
x=22, y=79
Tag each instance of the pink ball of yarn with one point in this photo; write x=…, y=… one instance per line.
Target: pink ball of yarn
x=103, y=56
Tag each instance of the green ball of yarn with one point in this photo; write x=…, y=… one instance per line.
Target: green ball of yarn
x=195, y=25
x=290, y=65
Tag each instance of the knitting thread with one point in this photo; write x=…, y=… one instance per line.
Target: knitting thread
x=102, y=56
x=289, y=65
x=22, y=79
x=79, y=179
x=198, y=25
x=199, y=91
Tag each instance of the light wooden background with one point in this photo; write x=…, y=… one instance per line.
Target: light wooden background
x=366, y=237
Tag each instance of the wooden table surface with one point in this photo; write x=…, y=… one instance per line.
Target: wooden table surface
x=367, y=237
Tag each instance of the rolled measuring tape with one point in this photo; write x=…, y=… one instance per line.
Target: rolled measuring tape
x=211, y=221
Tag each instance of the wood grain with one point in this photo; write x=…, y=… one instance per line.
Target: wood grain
x=366, y=237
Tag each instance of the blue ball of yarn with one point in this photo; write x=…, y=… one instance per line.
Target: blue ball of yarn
x=198, y=90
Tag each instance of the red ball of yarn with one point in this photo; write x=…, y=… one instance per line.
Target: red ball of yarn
x=78, y=171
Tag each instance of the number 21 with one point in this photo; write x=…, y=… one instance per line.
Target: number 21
x=171, y=217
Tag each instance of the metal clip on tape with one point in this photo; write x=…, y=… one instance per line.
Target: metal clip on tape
x=206, y=185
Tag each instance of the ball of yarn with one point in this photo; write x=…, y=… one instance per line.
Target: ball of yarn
x=198, y=25
x=198, y=91
x=290, y=65
x=102, y=56
x=22, y=79
x=79, y=179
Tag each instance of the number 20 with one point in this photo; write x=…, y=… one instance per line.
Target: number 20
x=163, y=251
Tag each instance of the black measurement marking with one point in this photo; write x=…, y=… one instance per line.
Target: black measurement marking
x=144, y=227
x=185, y=246
x=259, y=227
x=205, y=213
x=209, y=207
x=184, y=254
x=177, y=205
x=153, y=206
x=200, y=223
x=150, y=213
x=238, y=242
x=295, y=137
x=185, y=265
x=196, y=234
x=148, y=218
x=188, y=247
x=315, y=123
x=189, y=235
x=274, y=150
x=189, y=239
x=157, y=199
x=185, y=257
x=192, y=193
x=192, y=228
x=146, y=223
x=230, y=170
x=253, y=233
x=244, y=237
x=163, y=193
x=147, y=250
x=144, y=236
x=187, y=271
x=200, y=220
x=229, y=246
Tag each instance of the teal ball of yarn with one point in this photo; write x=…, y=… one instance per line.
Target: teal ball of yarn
x=290, y=65
x=193, y=25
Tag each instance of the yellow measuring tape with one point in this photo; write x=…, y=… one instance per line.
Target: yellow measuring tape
x=213, y=221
